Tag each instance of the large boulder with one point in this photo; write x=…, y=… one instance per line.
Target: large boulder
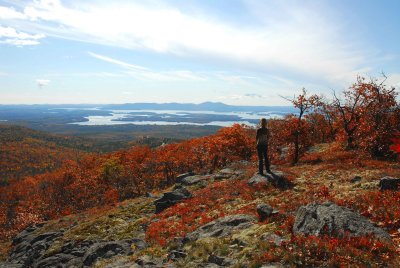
x=222, y=227
x=389, y=183
x=333, y=220
x=171, y=198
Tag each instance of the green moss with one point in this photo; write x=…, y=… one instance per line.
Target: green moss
x=124, y=222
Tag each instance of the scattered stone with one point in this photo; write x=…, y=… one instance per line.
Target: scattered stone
x=222, y=227
x=192, y=180
x=331, y=219
x=180, y=177
x=355, y=179
x=265, y=211
x=171, y=198
x=106, y=250
x=389, y=183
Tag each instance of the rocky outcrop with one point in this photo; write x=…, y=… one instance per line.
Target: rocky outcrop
x=28, y=247
x=106, y=250
x=171, y=198
x=333, y=220
x=223, y=226
x=389, y=183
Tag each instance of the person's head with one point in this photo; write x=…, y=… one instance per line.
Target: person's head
x=263, y=122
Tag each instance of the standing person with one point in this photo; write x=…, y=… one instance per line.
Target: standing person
x=262, y=147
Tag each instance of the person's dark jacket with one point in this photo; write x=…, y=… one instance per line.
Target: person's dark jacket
x=262, y=136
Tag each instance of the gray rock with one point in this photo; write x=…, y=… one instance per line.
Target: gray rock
x=355, y=179
x=227, y=173
x=180, y=177
x=256, y=179
x=331, y=219
x=149, y=262
x=24, y=235
x=265, y=211
x=10, y=265
x=221, y=261
x=29, y=247
x=150, y=195
x=176, y=254
x=106, y=250
x=222, y=227
x=389, y=183
x=192, y=180
x=58, y=260
x=171, y=198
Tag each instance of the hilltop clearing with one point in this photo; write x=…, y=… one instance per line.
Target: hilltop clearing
x=217, y=223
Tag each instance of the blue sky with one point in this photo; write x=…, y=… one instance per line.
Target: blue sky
x=244, y=52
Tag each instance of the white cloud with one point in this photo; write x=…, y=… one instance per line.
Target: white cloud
x=393, y=80
x=118, y=62
x=254, y=95
x=11, y=36
x=42, y=82
x=10, y=13
x=291, y=37
x=147, y=74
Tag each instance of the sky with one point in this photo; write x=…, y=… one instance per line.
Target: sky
x=240, y=52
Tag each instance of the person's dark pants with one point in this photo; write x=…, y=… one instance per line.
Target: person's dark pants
x=262, y=151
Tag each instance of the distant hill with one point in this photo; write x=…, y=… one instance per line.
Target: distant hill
x=25, y=152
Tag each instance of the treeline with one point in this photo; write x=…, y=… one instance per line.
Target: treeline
x=365, y=117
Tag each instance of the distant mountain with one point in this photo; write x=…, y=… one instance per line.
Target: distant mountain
x=205, y=106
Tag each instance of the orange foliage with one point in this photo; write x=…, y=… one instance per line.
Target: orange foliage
x=97, y=180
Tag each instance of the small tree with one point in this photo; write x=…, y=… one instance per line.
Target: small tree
x=368, y=115
x=305, y=104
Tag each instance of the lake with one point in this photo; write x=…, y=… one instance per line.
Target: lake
x=178, y=117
